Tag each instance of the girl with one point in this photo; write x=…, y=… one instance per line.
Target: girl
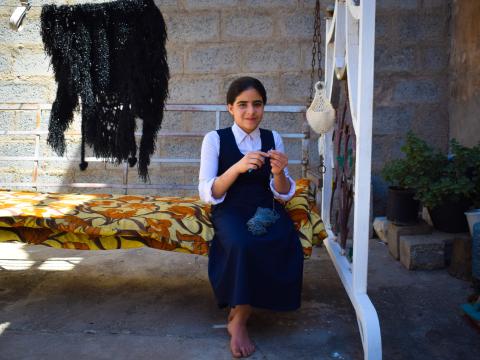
x=243, y=168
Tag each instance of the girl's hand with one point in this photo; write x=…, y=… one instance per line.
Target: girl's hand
x=278, y=161
x=253, y=160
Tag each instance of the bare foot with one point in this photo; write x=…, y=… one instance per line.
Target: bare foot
x=240, y=343
x=231, y=315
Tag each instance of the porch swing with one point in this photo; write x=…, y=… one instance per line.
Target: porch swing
x=107, y=221
x=104, y=221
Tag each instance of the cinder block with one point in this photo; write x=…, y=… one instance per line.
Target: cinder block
x=30, y=33
x=272, y=56
x=395, y=231
x=243, y=25
x=424, y=252
x=213, y=59
x=383, y=28
x=429, y=26
x=418, y=91
x=434, y=27
x=270, y=3
x=32, y=62
x=461, y=262
x=23, y=92
x=298, y=24
x=395, y=4
x=209, y=4
x=162, y=4
x=7, y=120
x=195, y=90
x=44, y=119
x=5, y=64
x=188, y=27
x=394, y=59
x=172, y=121
x=44, y=2
x=296, y=87
x=435, y=133
x=199, y=121
x=26, y=120
x=392, y=120
x=380, y=225
x=382, y=90
x=17, y=147
x=225, y=119
x=97, y=172
x=385, y=148
x=283, y=122
x=167, y=173
x=435, y=59
x=306, y=51
x=427, y=4
x=72, y=149
x=175, y=60
x=179, y=147
x=293, y=148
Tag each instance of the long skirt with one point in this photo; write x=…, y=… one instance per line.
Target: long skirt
x=264, y=271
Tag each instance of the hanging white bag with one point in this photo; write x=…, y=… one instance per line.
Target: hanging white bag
x=321, y=114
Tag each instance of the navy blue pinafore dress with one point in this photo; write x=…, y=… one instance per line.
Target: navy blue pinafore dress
x=264, y=271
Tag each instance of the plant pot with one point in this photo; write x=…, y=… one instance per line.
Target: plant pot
x=450, y=216
x=402, y=208
x=473, y=217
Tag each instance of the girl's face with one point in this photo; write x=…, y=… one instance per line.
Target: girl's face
x=247, y=110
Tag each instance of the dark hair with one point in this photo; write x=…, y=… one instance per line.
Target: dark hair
x=244, y=83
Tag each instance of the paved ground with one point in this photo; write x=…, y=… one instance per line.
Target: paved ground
x=148, y=304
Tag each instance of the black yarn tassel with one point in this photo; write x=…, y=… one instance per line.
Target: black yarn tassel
x=83, y=164
x=112, y=56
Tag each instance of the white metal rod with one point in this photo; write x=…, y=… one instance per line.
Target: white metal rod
x=160, y=134
x=103, y=185
x=364, y=146
x=168, y=107
x=93, y=159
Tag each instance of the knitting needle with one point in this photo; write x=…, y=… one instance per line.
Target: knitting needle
x=250, y=170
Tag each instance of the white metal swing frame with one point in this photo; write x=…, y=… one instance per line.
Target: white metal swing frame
x=350, y=39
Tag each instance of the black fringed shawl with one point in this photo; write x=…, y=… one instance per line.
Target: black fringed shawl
x=112, y=56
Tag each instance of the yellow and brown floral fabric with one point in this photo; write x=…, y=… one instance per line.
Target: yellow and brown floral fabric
x=106, y=222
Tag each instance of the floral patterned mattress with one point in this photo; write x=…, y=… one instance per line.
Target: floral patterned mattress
x=107, y=222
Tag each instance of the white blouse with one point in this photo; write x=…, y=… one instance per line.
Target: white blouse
x=246, y=143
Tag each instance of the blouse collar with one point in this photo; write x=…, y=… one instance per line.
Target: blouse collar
x=240, y=135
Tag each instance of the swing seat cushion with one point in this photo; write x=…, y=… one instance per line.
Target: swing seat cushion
x=107, y=222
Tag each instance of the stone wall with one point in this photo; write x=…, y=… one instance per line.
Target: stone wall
x=210, y=43
x=213, y=41
x=465, y=72
x=411, y=80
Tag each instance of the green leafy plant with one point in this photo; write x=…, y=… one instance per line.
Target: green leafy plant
x=458, y=180
x=420, y=164
x=436, y=177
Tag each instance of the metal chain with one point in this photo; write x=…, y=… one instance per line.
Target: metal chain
x=316, y=53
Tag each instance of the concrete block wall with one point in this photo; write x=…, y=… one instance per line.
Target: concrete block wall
x=411, y=80
x=211, y=42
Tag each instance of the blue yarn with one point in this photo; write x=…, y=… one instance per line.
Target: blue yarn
x=263, y=218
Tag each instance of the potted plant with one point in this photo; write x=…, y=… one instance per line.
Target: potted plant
x=402, y=176
x=449, y=186
x=473, y=215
